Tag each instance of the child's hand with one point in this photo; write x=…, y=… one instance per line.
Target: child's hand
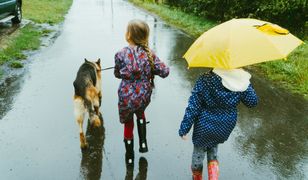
x=185, y=137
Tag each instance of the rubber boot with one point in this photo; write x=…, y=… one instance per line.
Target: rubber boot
x=213, y=170
x=197, y=175
x=142, y=132
x=129, y=155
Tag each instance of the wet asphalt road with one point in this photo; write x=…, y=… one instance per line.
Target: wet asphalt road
x=39, y=137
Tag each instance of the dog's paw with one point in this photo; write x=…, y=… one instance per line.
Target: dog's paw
x=84, y=146
x=97, y=122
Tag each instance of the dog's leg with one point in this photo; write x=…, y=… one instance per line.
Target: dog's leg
x=95, y=120
x=97, y=101
x=100, y=97
x=96, y=110
x=79, y=111
x=83, y=141
x=95, y=117
x=100, y=101
x=92, y=103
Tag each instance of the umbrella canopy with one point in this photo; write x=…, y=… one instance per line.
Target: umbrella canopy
x=240, y=42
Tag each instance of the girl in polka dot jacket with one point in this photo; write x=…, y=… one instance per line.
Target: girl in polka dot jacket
x=212, y=108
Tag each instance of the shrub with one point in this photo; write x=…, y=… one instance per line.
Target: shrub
x=291, y=14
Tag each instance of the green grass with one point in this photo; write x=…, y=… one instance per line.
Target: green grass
x=16, y=64
x=28, y=37
x=291, y=74
x=193, y=25
x=46, y=11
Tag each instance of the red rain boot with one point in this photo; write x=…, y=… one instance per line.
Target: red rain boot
x=213, y=170
x=197, y=175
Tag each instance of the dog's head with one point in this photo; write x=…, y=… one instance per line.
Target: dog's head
x=96, y=64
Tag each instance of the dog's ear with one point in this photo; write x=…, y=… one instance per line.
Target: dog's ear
x=85, y=60
x=98, y=61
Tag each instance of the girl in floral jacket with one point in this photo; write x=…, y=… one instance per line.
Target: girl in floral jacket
x=136, y=65
x=212, y=109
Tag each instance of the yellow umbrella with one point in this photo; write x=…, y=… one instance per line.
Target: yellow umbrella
x=240, y=42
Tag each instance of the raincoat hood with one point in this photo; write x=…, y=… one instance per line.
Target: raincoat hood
x=236, y=80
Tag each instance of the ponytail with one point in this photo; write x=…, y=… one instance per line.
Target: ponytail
x=138, y=33
x=151, y=61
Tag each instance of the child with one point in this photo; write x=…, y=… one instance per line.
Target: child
x=136, y=65
x=212, y=108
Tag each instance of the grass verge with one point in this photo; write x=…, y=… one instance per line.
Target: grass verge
x=193, y=25
x=291, y=74
x=28, y=37
x=46, y=11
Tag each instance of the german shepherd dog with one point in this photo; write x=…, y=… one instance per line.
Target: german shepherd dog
x=88, y=96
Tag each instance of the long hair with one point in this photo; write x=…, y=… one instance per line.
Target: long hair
x=138, y=32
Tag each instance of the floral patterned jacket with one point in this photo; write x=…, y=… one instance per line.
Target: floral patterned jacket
x=134, y=92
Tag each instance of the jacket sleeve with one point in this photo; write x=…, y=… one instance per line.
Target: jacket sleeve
x=193, y=109
x=117, y=61
x=160, y=68
x=249, y=97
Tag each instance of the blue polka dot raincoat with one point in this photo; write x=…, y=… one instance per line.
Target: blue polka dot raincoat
x=212, y=109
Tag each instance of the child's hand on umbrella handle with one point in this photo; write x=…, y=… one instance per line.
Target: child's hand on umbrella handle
x=185, y=137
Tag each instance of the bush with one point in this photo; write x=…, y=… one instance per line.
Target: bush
x=291, y=14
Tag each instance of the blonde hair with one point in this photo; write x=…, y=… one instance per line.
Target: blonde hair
x=138, y=33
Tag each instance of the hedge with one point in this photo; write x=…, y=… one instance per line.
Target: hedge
x=291, y=14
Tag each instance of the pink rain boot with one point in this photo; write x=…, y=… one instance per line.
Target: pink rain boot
x=197, y=175
x=213, y=170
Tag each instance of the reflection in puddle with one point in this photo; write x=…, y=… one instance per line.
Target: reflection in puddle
x=8, y=89
x=92, y=158
x=143, y=170
x=275, y=134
